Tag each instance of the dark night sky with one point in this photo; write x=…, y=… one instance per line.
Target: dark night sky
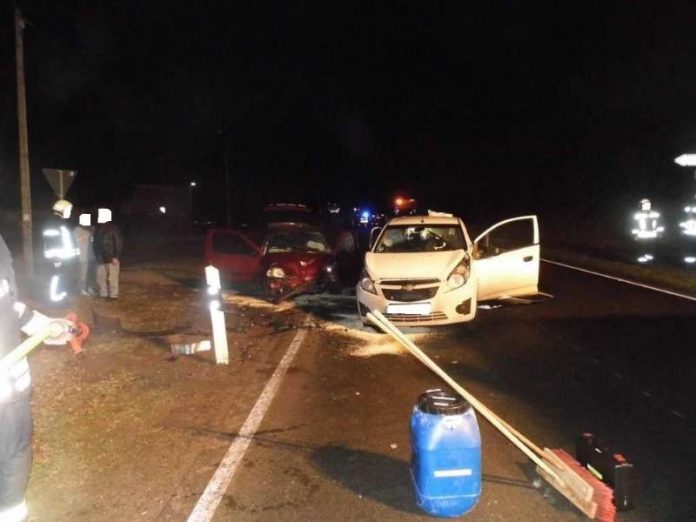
x=516, y=105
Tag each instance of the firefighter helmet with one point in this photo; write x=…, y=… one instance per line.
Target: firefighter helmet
x=63, y=208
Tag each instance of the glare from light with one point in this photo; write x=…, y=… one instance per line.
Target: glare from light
x=399, y=202
x=214, y=305
x=275, y=272
x=163, y=210
x=193, y=184
x=690, y=260
x=686, y=160
x=689, y=227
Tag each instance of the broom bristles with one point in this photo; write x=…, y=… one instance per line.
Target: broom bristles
x=602, y=495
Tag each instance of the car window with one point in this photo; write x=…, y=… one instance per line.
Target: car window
x=297, y=240
x=507, y=237
x=420, y=238
x=226, y=243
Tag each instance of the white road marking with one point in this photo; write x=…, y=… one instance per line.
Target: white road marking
x=210, y=500
x=622, y=280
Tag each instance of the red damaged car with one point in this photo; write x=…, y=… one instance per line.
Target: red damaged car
x=285, y=260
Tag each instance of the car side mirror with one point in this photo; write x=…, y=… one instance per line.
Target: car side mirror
x=374, y=233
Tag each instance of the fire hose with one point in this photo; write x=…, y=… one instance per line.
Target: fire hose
x=78, y=330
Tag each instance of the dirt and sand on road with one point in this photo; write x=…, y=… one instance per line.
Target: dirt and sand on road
x=119, y=428
x=128, y=430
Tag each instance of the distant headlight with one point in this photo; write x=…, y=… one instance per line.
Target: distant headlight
x=367, y=284
x=330, y=268
x=275, y=271
x=460, y=274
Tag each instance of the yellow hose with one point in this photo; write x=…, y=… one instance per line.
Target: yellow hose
x=31, y=342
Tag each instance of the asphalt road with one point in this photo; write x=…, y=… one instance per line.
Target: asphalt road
x=600, y=356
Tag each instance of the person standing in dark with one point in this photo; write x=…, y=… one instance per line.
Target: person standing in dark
x=108, y=246
x=83, y=239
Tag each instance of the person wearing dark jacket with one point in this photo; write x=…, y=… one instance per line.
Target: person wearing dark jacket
x=15, y=391
x=108, y=246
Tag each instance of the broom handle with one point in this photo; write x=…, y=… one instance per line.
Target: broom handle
x=31, y=342
x=417, y=352
x=382, y=322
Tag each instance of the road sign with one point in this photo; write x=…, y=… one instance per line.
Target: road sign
x=60, y=180
x=686, y=160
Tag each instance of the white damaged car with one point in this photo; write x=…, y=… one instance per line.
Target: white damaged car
x=424, y=270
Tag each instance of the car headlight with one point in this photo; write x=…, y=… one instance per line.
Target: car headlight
x=275, y=271
x=460, y=274
x=367, y=284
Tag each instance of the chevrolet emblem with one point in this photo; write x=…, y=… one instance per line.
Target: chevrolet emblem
x=408, y=288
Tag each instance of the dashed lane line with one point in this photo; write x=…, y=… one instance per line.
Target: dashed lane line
x=622, y=280
x=210, y=500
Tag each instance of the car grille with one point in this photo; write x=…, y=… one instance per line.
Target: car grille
x=417, y=294
x=408, y=318
x=402, y=282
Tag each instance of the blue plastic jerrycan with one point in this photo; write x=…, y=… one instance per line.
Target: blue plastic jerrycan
x=446, y=454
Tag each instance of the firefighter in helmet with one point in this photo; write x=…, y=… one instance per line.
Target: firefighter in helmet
x=647, y=221
x=59, y=252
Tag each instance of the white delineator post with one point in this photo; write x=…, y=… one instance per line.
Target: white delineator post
x=217, y=316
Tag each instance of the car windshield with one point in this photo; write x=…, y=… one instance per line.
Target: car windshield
x=297, y=240
x=420, y=238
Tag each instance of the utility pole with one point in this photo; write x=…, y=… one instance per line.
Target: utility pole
x=25, y=180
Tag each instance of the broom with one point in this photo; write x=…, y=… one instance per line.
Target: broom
x=560, y=470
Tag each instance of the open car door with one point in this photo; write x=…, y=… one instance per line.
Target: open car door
x=236, y=256
x=506, y=258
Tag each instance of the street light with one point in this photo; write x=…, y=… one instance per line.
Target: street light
x=686, y=160
x=193, y=184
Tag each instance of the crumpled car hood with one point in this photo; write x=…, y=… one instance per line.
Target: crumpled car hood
x=299, y=262
x=418, y=265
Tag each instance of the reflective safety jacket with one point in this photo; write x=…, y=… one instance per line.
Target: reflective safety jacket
x=15, y=381
x=59, y=244
x=648, y=225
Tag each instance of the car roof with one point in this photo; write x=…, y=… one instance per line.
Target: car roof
x=424, y=220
